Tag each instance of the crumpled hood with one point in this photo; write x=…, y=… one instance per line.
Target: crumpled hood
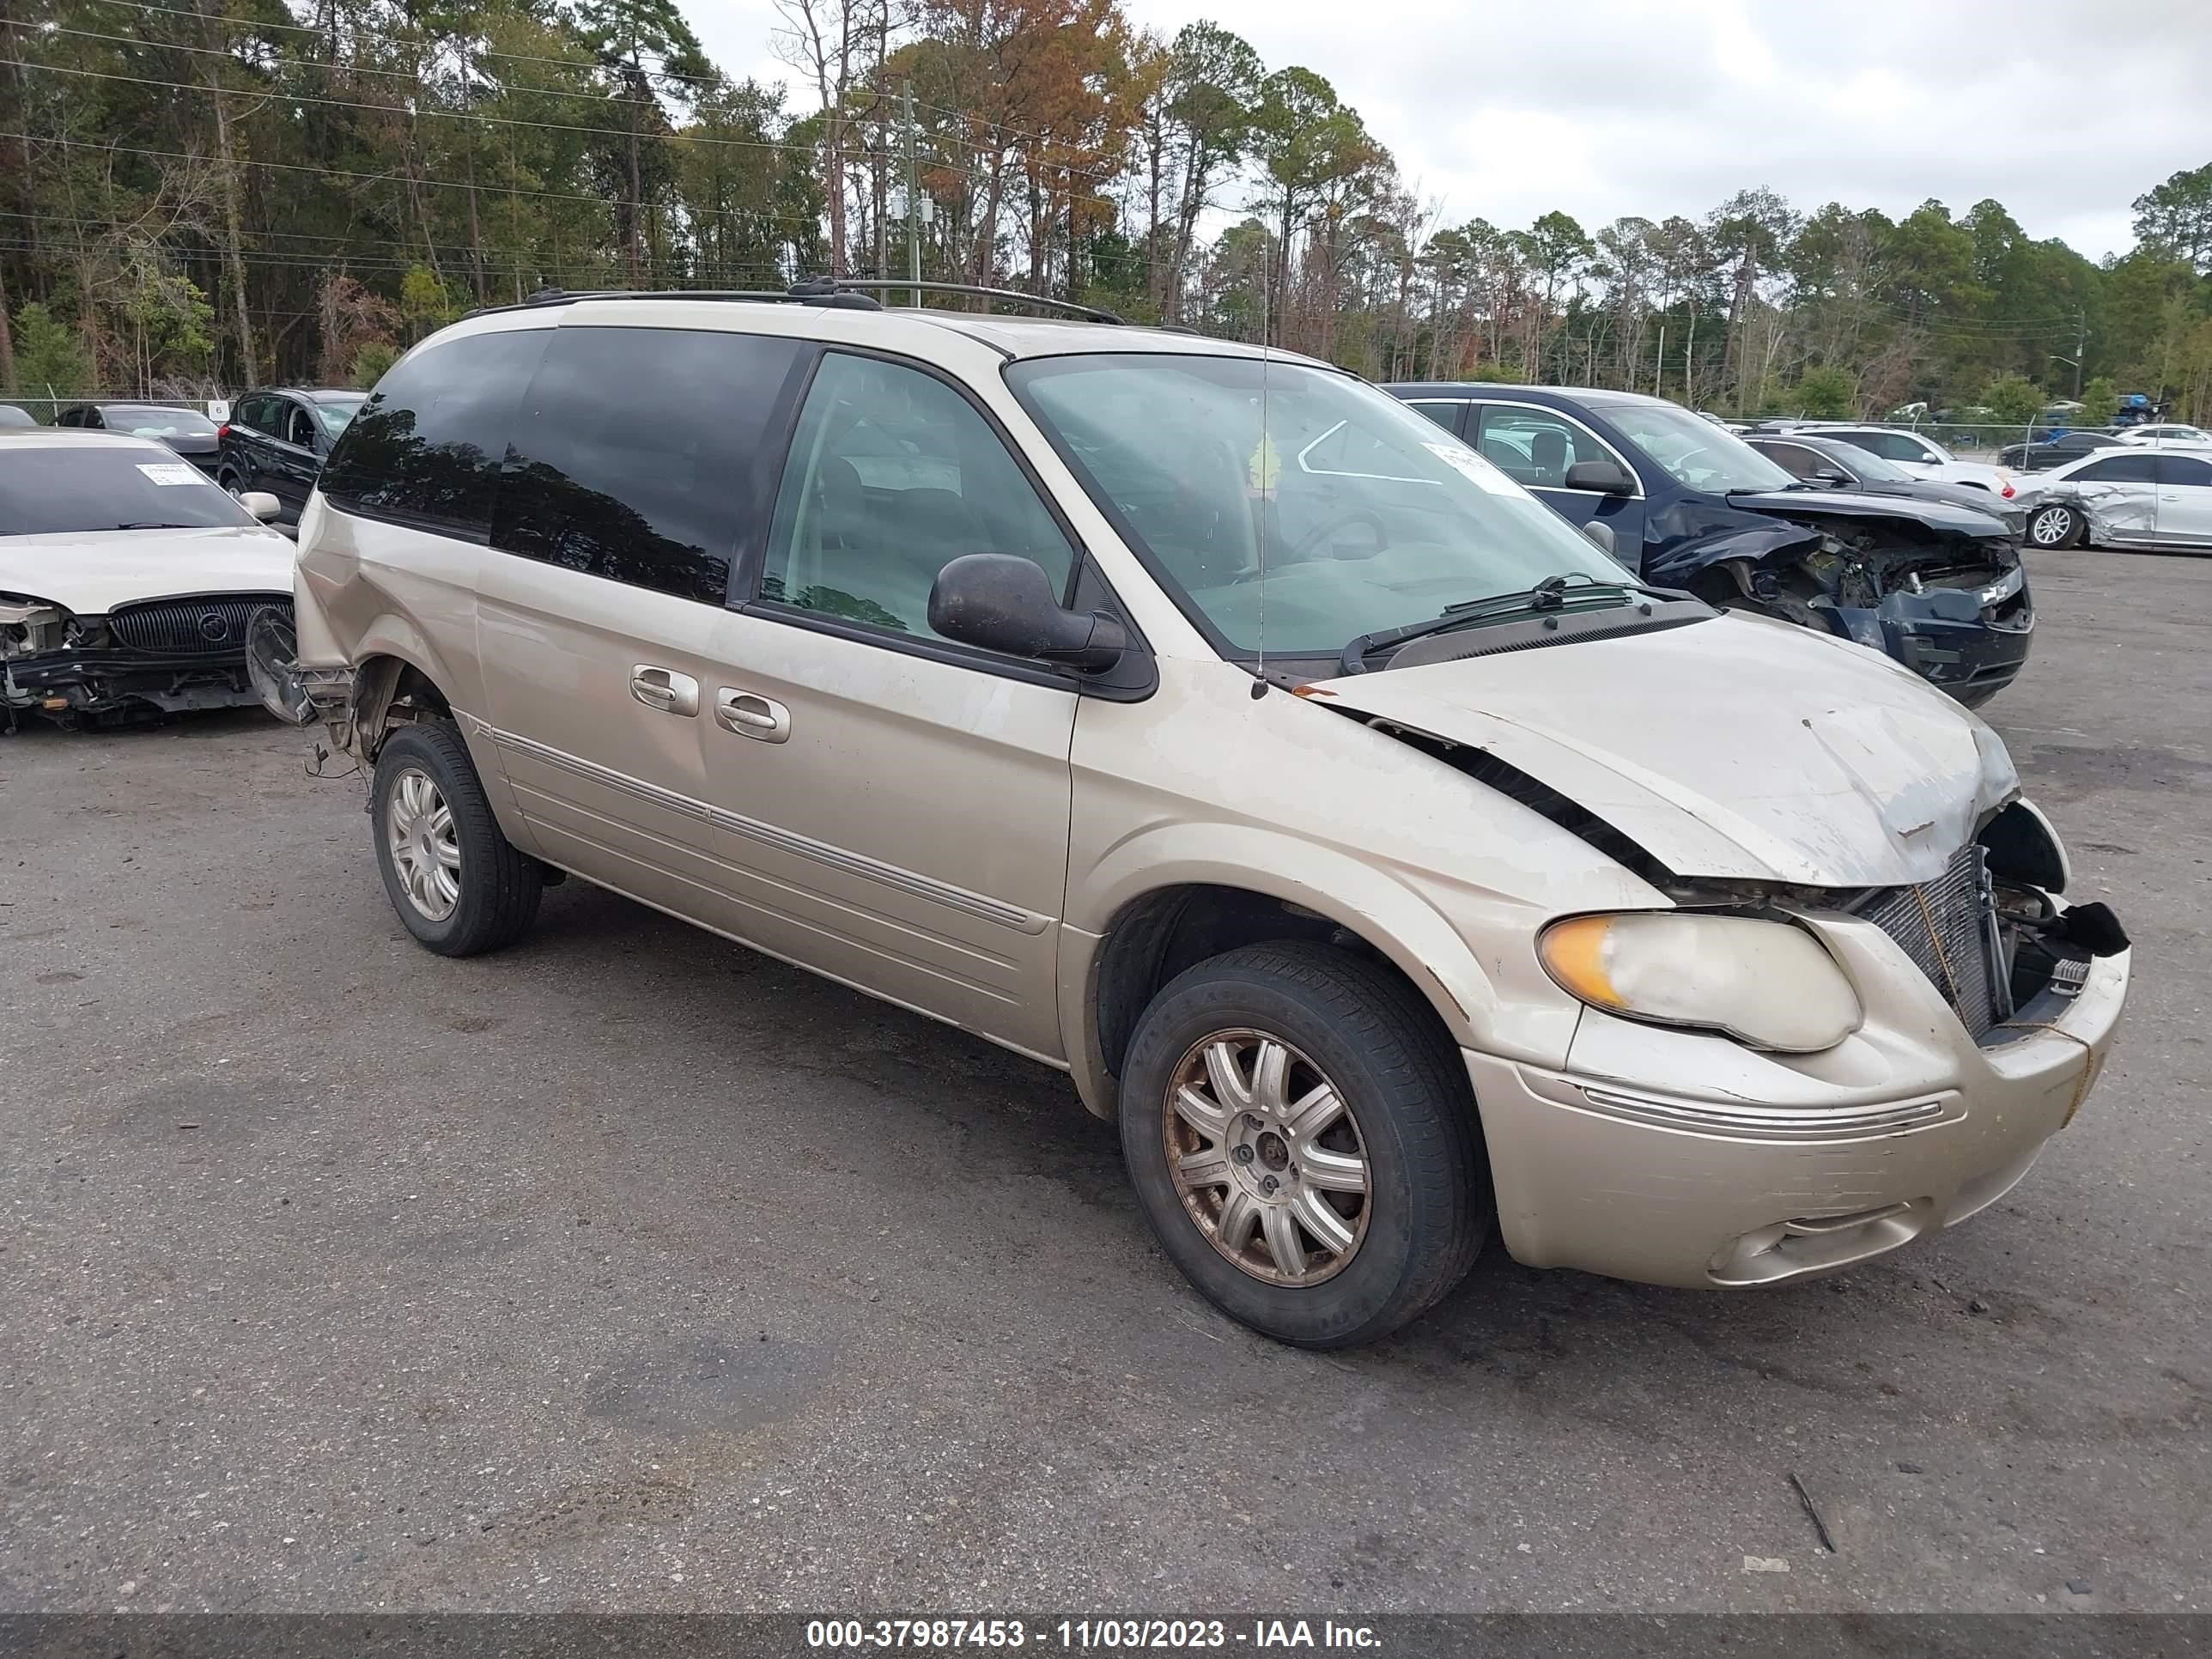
x=91, y=572
x=1692, y=534
x=1941, y=516
x=1735, y=749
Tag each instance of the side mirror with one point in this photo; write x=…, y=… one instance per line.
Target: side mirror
x=261, y=504
x=1829, y=474
x=1603, y=478
x=1005, y=603
x=1600, y=537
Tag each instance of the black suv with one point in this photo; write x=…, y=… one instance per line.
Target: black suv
x=279, y=441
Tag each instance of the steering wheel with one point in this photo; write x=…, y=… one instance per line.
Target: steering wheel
x=1687, y=460
x=1328, y=527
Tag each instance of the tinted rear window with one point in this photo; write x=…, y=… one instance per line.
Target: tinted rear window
x=636, y=456
x=59, y=491
x=146, y=420
x=427, y=447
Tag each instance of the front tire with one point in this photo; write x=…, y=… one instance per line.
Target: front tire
x=2054, y=526
x=1302, y=1138
x=460, y=886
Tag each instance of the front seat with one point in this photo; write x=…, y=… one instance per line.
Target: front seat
x=1547, y=448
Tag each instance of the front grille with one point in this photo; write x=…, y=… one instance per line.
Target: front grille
x=1945, y=926
x=190, y=628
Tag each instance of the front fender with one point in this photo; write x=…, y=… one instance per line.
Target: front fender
x=1397, y=921
x=1506, y=1006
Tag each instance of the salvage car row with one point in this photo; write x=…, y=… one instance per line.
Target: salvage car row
x=274, y=441
x=1406, y=835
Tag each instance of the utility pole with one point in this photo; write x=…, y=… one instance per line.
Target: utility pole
x=913, y=193
x=1659, y=362
x=2081, y=346
x=878, y=147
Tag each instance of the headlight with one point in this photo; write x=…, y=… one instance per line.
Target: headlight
x=1765, y=983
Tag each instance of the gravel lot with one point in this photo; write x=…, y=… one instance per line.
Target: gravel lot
x=629, y=1270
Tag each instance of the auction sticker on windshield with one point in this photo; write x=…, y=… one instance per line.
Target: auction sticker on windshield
x=1473, y=467
x=170, y=472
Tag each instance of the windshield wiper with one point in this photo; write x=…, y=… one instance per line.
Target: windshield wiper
x=155, y=524
x=1549, y=594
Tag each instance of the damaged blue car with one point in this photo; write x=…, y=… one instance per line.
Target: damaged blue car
x=1689, y=505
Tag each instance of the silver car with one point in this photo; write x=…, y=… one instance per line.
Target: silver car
x=1392, y=866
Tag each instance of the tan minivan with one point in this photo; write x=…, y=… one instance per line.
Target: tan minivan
x=1206, y=725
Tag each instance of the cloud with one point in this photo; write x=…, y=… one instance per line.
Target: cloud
x=2063, y=112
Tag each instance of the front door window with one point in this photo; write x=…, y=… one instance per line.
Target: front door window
x=892, y=476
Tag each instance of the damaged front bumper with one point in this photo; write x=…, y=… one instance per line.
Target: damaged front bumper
x=96, y=682
x=1943, y=593
x=1744, y=1169
x=1969, y=642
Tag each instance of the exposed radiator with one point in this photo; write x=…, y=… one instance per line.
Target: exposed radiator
x=1947, y=926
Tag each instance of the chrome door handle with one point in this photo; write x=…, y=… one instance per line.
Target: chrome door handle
x=664, y=689
x=752, y=715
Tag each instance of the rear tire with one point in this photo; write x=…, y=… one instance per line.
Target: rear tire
x=460, y=886
x=2054, y=526
x=1377, y=1213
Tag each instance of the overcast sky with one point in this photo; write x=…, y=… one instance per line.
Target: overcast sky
x=2065, y=110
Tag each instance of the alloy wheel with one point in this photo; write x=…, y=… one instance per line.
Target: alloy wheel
x=1267, y=1158
x=426, y=849
x=2050, y=527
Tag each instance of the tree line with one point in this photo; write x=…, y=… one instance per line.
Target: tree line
x=208, y=195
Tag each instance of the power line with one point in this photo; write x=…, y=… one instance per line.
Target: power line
x=351, y=67
x=354, y=67
x=499, y=270
x=677, y=135
x=394, y=109
x=694, y=213
x=327, y=172
x=258, y=25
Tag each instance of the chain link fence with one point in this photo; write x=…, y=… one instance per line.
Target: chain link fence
x=45, y=409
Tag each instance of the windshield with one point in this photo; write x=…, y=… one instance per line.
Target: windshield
x=1870, y=467
x=1360, y=513
x=144, y=420
x=336, y=413
x=52, y=490
x=1696, y=453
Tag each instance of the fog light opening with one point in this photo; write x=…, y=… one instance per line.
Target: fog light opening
x=1788, y=1249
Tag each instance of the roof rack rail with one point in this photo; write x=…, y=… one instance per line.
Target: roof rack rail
x=838, y=292
x=1009, y=295
x=799, y=294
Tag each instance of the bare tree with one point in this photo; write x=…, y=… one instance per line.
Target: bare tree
x=839, y=45
x=233, y=234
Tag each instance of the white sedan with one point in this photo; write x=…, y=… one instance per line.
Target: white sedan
x=1923, y=457
x=2167, y=436
x=127, y=580
x=2134, y=498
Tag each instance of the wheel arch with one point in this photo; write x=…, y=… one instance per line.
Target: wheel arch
x=1191, y=909
x=384, y=686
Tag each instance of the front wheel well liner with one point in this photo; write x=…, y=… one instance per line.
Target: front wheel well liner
x=1157, y=936
x=390, y=691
